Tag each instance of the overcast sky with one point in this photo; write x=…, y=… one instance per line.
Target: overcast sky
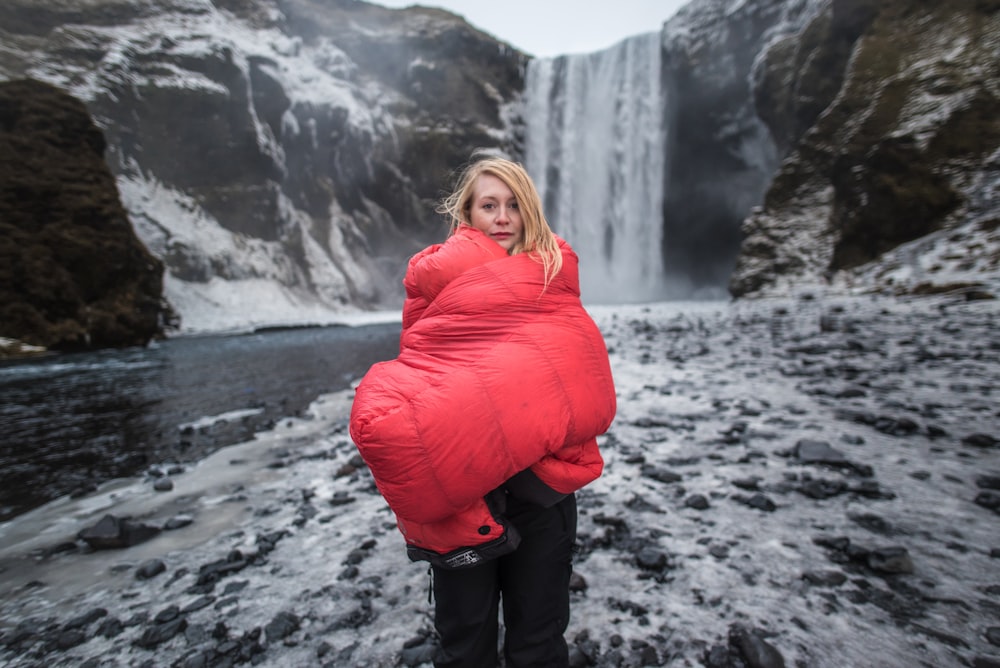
x=557, y=27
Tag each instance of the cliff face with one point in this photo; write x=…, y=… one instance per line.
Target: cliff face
x=73, y=274
x=892, y=178
x=721, y=157
x=275, y=152
x=283, y=158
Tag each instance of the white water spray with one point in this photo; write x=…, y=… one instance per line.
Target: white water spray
x=596, y=147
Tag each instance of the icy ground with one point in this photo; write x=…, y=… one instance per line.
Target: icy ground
x=822, y=473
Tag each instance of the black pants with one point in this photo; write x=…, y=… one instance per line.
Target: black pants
x=534, y=583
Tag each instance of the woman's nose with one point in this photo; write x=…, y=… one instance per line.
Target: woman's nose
x=503, y=215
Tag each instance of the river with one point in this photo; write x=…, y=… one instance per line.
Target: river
x=70, y=422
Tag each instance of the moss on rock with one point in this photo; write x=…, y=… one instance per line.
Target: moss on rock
x=73, y=274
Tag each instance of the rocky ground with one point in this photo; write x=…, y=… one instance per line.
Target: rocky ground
x=807, y=482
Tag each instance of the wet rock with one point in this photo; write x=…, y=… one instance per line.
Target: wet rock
x=651, y=559
x=110, y=627
x=177, y=522
x=945, y=637
x=163, y=485
x=418, y=651
x=870, y=489
x=980, y=440
x=989, y=499
x=749, y=484
x=757, y=501
x=988, y=482
x=746, y=648
x=734, y=434
x=83, y=489
x=753, y=649
x=577, y=583
x=820, y=488
x=872, y=522
x=631, y=607
x=639, y=503
x=647, y=422
x=113, y=533
x=86, y=619
x=212, y=572
x=697, y=502
x=150, y=569
x=584, y=651
x=612, y=521
x=719, y=551
x=342, y=498
x=896, y=426
x=26, y=630
x=717, y=656
x=167, y=624
x=659, y=474
x=643, y=654
x=198, y=604
x=825, y=578
x=196, y=634
x=357, y=618
x=283, y=625
x=820, y=452
x=856, y=416
x=168, y=614
x=890, y=560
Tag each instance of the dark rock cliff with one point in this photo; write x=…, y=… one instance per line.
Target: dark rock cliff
x=720, y=156
x=280, y=156
x=889, y=110
x=73, y=274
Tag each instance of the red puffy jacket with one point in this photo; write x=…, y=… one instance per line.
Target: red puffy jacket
x=495, y=375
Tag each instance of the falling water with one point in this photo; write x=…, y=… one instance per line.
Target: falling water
x=596, y=147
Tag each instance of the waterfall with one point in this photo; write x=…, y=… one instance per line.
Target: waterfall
x=596, y=148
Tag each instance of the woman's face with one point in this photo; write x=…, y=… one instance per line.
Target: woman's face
x=494, y=210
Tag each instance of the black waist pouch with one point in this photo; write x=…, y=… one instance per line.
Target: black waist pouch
x=467, y=557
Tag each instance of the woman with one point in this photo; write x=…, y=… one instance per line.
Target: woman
x=482, y=429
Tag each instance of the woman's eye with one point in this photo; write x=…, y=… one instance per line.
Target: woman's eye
x=513, y=205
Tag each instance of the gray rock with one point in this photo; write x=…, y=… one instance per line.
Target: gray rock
x=825, y=578
x=283, y=625
x=890, y=560
x=651, y=559
x=980, y=440
x=659, y=474
x=989, y=499
x=163, y=485
x=112, y=532
x=697, y=501
x=753, y=649
x=150, y=569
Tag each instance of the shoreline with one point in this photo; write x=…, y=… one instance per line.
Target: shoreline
x=715, y=515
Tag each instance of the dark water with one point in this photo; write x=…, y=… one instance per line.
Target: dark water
x=70, y=422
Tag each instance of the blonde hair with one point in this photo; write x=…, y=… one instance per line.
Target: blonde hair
x=539, y=241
